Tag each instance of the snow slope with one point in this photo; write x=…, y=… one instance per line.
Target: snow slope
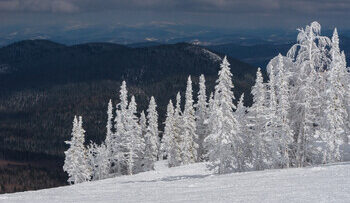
x=193, y=183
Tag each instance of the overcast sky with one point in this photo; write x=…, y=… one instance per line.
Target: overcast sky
x=223, y=13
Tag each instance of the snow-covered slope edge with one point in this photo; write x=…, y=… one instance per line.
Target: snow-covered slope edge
x=194, y=183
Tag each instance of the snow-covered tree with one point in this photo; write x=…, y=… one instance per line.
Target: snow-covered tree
x=98, y=161
x=76, y=160
x=311, y=58
x=285, y=131
x=168, y=146
x=336, y=111
x=241, y=116
x=189, y=150
x=177, y=131
x=120, y=147
x=310, y=50
x=225, y=151
x=257, y=119
x=271, y=127
x=201, y=116
x=110, y=134
x=152, y=139
x=134, y=140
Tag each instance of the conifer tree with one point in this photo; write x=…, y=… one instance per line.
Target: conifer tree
x=201, y=116
x=225, y=153
x=285, y=133
x=257, y=120
x=271, y=127
x=98, y=161
x=120, y=147
x=178, y=141
x=152, y=139
x=134, y=141
x=168, y=149
x=189, y=150
x=76, y=162
x=110, y=134
x=335, y=108
x=241, y=116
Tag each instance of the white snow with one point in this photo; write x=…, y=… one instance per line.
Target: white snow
x=194, y=183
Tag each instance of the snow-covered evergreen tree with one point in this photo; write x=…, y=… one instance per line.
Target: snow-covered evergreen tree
x=134, y=140
x=152, y=139
x=336, y=111
x=109, y=126
x=76, y=160
x=110, y=134
x=241, y=116
x=285, y=132
x=225, y=151
x=201, y=116
x=177, y=130
x=271, y=127
x=98, y=161
x=168, y=147
x=120, y=147
x=310, y=57
x=189, y=150
x=257, y=119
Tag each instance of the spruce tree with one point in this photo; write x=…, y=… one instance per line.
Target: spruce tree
x=152, y=139
x=225, y=151
x=189, y=150
x=76, y=160
x=168, y=149
x=201, y=116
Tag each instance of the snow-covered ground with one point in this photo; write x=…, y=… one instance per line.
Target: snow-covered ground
x=194, y=183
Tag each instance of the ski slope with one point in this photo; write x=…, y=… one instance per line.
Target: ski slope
x=194, y=183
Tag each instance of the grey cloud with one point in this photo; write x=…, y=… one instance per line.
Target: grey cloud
x=38, y=6
x=264, y=7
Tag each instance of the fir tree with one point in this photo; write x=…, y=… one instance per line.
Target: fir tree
x=201, y=116
x=225, y=153
x=257, y=120
x=152, y=139
x=76, y=161
x=168, y=141
x=189, y=150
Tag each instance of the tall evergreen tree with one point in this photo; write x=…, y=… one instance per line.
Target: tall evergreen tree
x=110, y=134
x=168, y=141
x=178, y=127
x=152, y=139
x=134, y=140
x=189, y=151
x=76, y=162
x=257, y=120
x=201, y=116
x=285, y=132
x=241, y=116
x=225, y=153
x=335, y=126
x=271, y=127
x=120, y=147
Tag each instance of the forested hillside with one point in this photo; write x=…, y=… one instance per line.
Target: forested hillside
x=44, y=84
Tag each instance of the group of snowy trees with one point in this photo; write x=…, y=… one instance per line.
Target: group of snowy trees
x=131, y=143
x=299, y=117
